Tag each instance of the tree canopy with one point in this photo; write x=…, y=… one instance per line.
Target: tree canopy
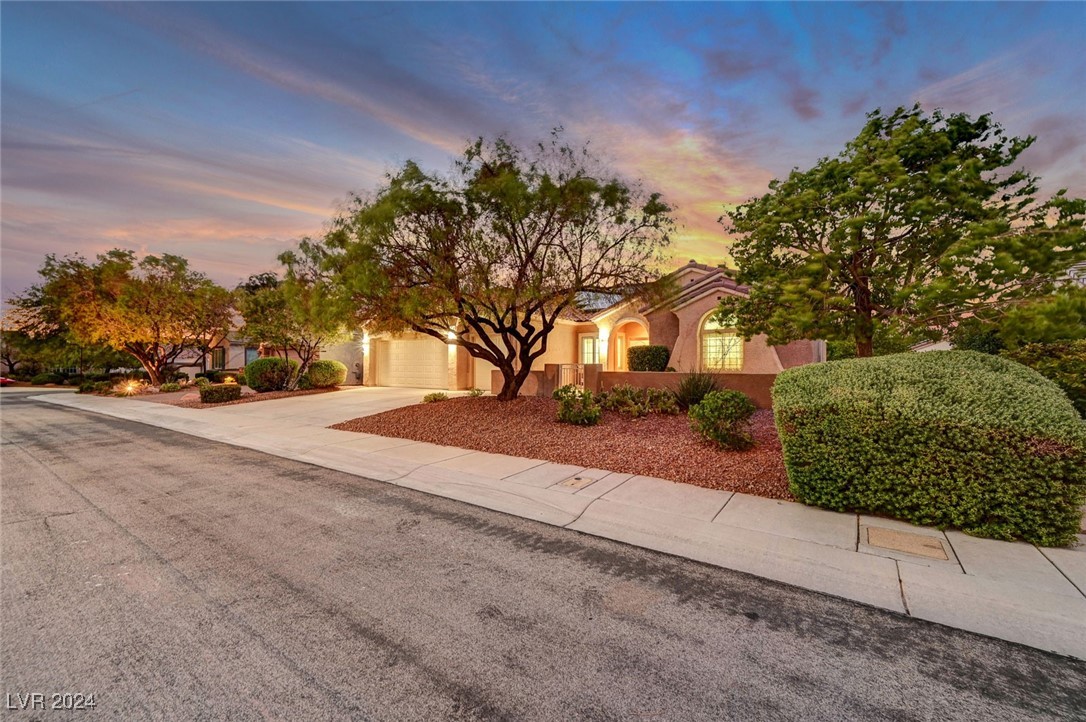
x=918, y=223
x=297, y=313
x=153, y=308
x=490, y=256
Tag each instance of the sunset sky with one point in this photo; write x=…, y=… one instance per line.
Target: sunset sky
x=224, y=132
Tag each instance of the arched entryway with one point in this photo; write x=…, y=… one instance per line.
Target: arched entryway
x=626, y=333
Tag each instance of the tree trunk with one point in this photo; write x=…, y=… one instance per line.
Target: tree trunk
x=865, y=327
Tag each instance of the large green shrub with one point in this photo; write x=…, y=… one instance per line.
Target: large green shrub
x=219, y=393
x=647, y=358
x=325, y=374
x=1064, y=363
x=723, y=418
x=269, y=374
x=693, y=387
x=577, y=406
x=944, y=438
x=42, y=379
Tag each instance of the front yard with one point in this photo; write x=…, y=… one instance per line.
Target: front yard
x=655, y=445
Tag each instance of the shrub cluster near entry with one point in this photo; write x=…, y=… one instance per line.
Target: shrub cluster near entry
x=269, y=374
x=723, y=418
x=577, y=406
x=647, y=358
x=325, y=374
x=219, y=393
x=951, y=438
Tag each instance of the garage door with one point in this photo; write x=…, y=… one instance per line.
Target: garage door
x=421, y=363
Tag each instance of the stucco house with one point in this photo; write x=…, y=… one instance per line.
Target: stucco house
x=600, y=337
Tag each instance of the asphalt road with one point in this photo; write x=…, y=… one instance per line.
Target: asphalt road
x=177, y=578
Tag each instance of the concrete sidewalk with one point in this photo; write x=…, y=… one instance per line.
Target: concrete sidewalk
x=1013, y=591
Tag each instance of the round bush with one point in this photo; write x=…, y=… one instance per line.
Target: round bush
x=42, y=379
x=647, y=358
x=168, y=387
x=325, y=374
x=943, y=438
x=269, y=374
x=219, y=393
x=723, y=418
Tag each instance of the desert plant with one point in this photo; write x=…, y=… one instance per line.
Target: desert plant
x=201, y=381
x=577, y=406
x=662, y=401
x=169, y=386
x=326, y=374
x=434, y=397
x=693, y=388
x=270, y=374
x=723, y=418
x=87, y=387
x=476, y=393
x=647, y=358
x=219, y=393
x=626, y=400
x=944, y=438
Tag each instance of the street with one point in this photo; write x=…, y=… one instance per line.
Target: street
x=176, y=578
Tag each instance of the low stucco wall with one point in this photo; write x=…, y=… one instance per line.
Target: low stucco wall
x=756, y=386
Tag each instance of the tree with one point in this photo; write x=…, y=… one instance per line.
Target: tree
x=212, y=319
x=296, y=314
x=489, y=257
x=916, y=225
x=144, y=308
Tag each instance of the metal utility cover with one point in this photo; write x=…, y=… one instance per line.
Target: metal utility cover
x=903, y=541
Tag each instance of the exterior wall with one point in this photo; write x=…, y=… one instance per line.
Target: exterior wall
x=349, y=353
x=533, y=385
x=799, y=353
x=562, y=348
x=758, y=356
x=757, y=386
x=663, y=328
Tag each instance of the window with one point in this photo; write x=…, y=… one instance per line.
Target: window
x=590, y=350
x=218, y=358
x=721, y=347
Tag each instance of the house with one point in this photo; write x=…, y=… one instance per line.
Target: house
x=601, y=338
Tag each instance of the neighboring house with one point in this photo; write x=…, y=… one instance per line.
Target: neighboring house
x=602, y=336
x=231, y=354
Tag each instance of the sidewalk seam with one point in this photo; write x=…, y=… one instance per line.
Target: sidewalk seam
x=901, y=588
x=1062, y=574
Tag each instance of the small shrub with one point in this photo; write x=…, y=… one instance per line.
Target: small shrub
x=201, y=381
x=241, y=379
x=476, y=393
x=662, y=401
x=943, y=438
x=87, y=387
x=647, y=358
x=103, y=387
x=180, y=377
x=723, y=418
x=626, y=400
x=326, y=374
x=435, y=397
x=1064, y=363
x=694, y=387
x=219, y=393
x=96, y=377
x=270, y=374
x=42, y=379
x=169, y=387
x=577, y=406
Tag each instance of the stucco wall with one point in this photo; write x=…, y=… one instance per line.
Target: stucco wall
x=562, y=348
x=758, y=356
x=663, y=328
x=348, y=353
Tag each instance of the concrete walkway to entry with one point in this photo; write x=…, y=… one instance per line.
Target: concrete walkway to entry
x=1013, y=591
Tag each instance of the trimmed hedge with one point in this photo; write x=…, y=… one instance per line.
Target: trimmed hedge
x=269, y=374
x=647, y=358
x=325, y=374
x=219, y=393
x=943, y=438
x=1063, y=362
x=42, y=379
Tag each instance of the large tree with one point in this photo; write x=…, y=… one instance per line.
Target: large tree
x=490, y=256
x=920, y=222
x=152, y=308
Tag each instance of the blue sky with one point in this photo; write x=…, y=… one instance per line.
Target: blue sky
x=226, y=131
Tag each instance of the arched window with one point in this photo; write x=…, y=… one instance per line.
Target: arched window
x=721, y=346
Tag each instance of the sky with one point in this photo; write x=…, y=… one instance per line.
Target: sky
x=225, y=132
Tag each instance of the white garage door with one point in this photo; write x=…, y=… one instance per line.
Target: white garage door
x=421, y=363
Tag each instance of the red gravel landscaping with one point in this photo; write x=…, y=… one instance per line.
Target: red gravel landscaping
x=656, y=445
x=190, y=398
